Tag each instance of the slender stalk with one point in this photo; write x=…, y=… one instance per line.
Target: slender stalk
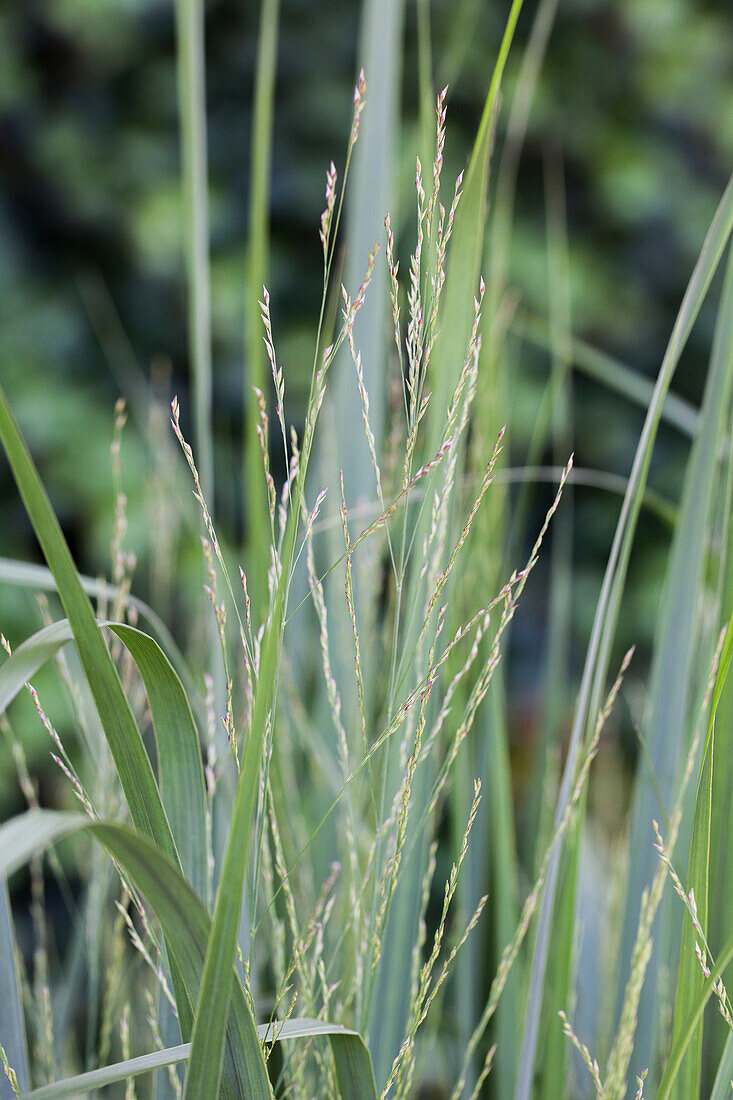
x=257, y=274
x=192, y=113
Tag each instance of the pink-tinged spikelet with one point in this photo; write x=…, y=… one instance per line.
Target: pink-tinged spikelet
x=359, y=96
x=327, y=215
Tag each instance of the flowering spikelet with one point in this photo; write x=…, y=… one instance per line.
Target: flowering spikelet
x=439, y=147
x=639, y=1094
x=364, y=397
x=154, y=1024
x=139, y=945
x=394, y=290
x=352, y=616
x=359, y=97
x=198, y=494
x=591, y=1063
x=277, y=373
x=428, y=988
x=702, y=950
x=327, y=215
x=9, y=1071
x=262, y=437
x=620, y=1056
x=61, y=760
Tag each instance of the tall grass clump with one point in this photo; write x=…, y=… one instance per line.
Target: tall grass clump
x=304, y=877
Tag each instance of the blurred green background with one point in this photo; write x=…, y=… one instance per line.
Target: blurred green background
x=635, y=103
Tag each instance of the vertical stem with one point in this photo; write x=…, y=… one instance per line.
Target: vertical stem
x=192, y=113
x=257, y=265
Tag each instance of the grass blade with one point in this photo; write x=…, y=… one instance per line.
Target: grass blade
x=180, y=771
x=38, y=577
x=597, y=657
x=190, y=68
x=123, y=736
x=609, y=372
x=690, y=978
x=721, y=840
x=677, y=649
x=371, y=193
x=353, y=1067
x=12, y=1029
x=257, y=267
x=183, y=917
x=84, y=1083
x=466, y=249
x=178, y=749
x=722, y=1086
x=679, y=1047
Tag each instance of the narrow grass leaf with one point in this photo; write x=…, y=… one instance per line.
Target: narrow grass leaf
x=677, y=653
x=604, y=624
x=180, y=769
x=190, y=70
x=257, y=275
x=724, y=1077
x=679, y=1047
x=466, y=249
x=370, y=196
x=690, y=977
x=721, y=839
x=609, y=372
x=12, y=1028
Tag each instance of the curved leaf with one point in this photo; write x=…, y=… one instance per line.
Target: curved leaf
x=353, y=1068
x=118, y=722
x=186, y=925
x=25, y=574
x=185, y=922
x=180, y=769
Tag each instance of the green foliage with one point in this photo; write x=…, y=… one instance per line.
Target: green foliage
x=334, y=858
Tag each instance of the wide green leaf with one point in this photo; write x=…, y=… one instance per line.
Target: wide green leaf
x=180, y=770
x=126, y=745
x=187, y=927
x=185, y=922
x=23, y=574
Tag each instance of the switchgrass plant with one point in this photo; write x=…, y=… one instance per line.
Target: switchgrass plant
x=303, y=877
